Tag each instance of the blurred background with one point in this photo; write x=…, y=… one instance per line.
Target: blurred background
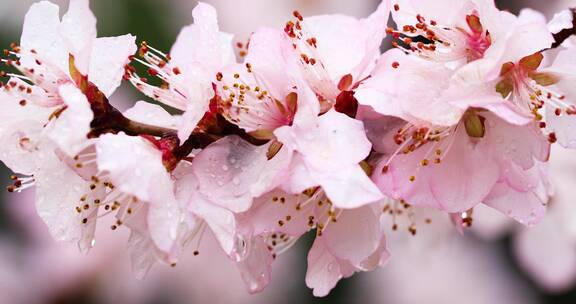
x=494, y=262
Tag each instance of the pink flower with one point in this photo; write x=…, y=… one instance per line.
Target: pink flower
x=259, y=95
x=481, y=45
x=200, y=51
x=472, y=34
x=434, y=171
x=48, y=45
x=336, y=51
x=447, y=129
x=45, y=110
x=347, y=240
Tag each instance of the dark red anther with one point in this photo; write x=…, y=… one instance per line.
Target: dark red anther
x=385, y=169
x=420, y=18
x=552, y=138
x=176, y=71
x=298, y=15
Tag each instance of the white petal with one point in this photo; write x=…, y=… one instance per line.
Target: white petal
x=41, y=32
x=107, y=60
x=148, y=113
x=58, y=189
x=78, y=29
x=231, y=172
x=134, y=164
x=69, y=131
x=256, y=269
x=560, y=21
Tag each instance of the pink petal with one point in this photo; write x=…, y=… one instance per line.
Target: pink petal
x=70, y=130
x=202, y=43
x=519, y=144
x=408, y=9
x=276, y=206
x=18, y=123
x=41, y=32
x=148, y=113
x=56, y=187
x=347, y=187
x=336, y=140
x=530, y=35
x=273, y=61
x=391, y=89
x=134, y=164
x=231, y=172
x=256, y=269
x=355, y=236
x=78, y=30
x=449, y=185
x=334, y=33
x=108, y=58
x=560, y=21
x=528, y=205
x=324, y=270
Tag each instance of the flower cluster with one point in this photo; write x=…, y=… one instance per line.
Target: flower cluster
x=305, y=128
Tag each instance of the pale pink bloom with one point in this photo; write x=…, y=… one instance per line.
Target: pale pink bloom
x=347, y=240
x=337, y=51
x=447, y=130
x=35, y=141
x=435, y=172
x=259, y=95
x=353, y=243
x=485, y=47
x=199, y=52
x=49, y=45
x=225, y=179
x=473, y=34
x=45, y=111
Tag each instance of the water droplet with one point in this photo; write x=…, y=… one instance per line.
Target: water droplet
x=240, y=248
x=225, y=168
x=236, y=181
